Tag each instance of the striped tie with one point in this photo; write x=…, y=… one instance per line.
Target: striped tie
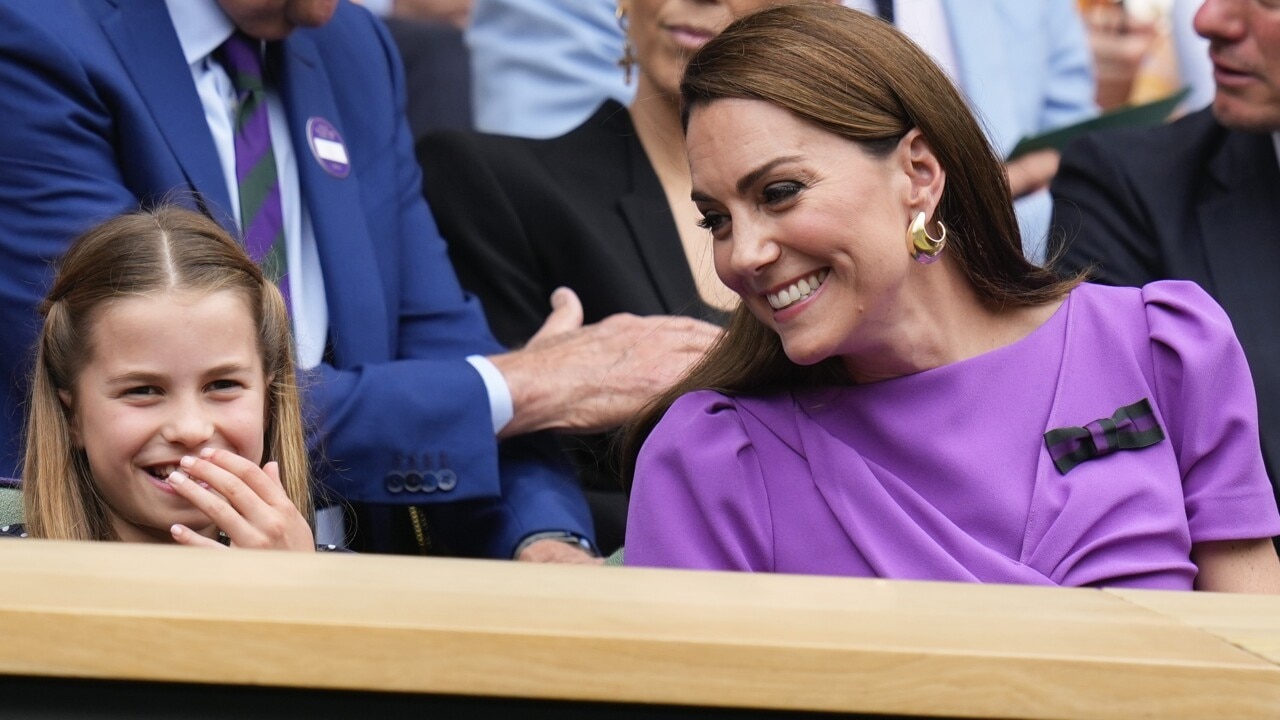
x=261, y=219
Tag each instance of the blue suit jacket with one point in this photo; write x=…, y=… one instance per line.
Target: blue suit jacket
x=100, y=113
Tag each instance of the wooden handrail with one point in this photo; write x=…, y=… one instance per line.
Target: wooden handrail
x=623, y=635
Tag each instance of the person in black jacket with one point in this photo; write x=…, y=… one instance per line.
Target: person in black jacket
x=1197, y=199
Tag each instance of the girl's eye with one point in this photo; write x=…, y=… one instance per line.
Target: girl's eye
x=219, y=385
x=142, y=391
x=781, y=191
x=713, y=221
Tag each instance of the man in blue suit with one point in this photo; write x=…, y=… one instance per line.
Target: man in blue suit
x=110, y=103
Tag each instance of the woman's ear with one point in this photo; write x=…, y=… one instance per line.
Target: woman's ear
x=73, y=424
x=923, y=170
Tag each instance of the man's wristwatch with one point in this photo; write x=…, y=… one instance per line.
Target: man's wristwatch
x=558, y=535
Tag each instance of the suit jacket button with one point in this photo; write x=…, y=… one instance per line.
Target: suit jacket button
x=446, y=479
x=394, y=482
x=413, y=481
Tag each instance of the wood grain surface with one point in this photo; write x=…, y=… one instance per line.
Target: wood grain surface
x=625, y=635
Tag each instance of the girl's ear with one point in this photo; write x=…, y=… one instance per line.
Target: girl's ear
x=270, y=397
x=73, y=423
x=923, y=170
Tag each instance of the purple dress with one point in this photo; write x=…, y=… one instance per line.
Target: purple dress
x=1020, y=465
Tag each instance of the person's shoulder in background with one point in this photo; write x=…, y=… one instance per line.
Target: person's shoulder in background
x=540, y=68
x=1113, y=189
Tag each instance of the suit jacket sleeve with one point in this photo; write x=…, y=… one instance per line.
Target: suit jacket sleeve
x=1099, y=219
x=60, y=175
x=382, y=417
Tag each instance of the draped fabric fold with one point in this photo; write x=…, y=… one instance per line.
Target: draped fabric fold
x=838, y=480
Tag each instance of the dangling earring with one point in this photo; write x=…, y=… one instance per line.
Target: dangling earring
x=628, y=60
x=925, y=249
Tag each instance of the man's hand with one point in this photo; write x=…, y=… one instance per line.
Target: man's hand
x=1031, y=172
x=1121, y=44
x=555, y=551
x=595, y=377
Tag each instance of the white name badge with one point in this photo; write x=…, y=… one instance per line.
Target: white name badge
x=327, y=147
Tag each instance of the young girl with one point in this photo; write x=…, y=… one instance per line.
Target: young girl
x=163, y=381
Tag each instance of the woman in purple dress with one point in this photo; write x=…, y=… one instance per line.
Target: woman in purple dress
x=901, y=394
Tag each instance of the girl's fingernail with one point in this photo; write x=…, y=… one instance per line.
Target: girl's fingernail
x=187, y=461
x=177, y=478
x=206, y=453
x=175, y=530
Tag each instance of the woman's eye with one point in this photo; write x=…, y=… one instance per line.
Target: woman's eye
x=781, y=191
x=713, y=221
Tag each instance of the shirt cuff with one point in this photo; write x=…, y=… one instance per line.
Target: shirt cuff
x=501, y=406
x=381, y=8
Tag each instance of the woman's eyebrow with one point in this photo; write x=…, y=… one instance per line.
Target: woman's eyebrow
x=746, y=181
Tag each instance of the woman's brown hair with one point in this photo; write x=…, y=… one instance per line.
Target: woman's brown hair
x=138, y=254
x=855, y=76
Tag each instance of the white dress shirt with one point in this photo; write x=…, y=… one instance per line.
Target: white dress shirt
x=202, y=27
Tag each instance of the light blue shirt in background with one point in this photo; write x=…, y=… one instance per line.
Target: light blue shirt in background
x=540, y=68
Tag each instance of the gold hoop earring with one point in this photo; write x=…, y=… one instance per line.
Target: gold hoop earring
x=628, y=60
x=925, y=249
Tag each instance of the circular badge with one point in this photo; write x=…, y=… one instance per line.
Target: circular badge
x=327, y=147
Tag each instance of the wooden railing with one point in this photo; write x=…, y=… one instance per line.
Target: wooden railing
x=621, y=637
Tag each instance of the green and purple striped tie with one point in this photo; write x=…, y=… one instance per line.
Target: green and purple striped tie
x=261, y=218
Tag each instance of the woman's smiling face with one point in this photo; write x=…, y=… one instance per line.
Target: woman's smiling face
x=809, y=228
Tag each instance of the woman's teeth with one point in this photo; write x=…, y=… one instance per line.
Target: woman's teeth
x=797, y=291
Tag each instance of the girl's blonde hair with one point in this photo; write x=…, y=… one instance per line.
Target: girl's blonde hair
x=137, y=254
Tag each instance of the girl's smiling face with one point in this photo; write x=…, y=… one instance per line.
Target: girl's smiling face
x=169, y=374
